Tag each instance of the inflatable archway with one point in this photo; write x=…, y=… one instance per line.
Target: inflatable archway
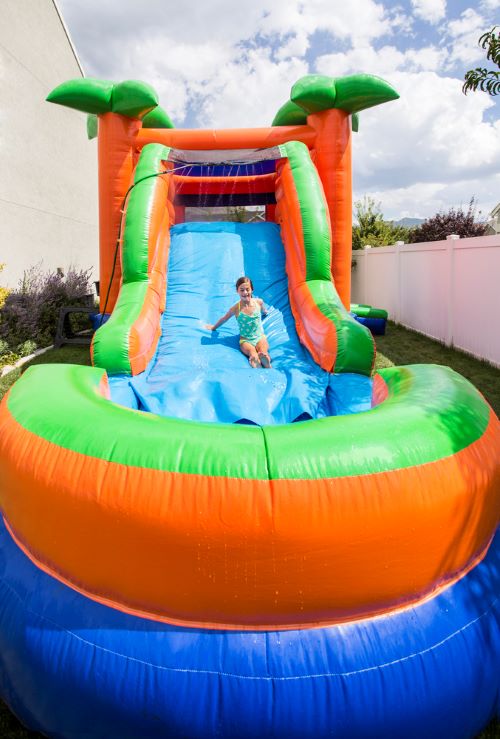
x=194, y=548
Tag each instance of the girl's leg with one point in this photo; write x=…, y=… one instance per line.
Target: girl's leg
x=263, y=351
x=251, y=352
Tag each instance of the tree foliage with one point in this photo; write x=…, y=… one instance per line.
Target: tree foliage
x=480, y=78
x=372, y=229
x=455, y=221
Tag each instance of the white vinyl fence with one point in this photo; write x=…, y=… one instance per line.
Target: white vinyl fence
x=449, y=290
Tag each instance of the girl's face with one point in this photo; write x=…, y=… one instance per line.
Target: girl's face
x=245, y=291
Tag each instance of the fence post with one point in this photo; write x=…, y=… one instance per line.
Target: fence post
x=450, y=287
x=366, y=280
x=398, y=316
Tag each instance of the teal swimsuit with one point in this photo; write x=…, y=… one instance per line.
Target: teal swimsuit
x=250, y=326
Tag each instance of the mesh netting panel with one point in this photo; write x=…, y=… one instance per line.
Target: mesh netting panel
x=225, y=156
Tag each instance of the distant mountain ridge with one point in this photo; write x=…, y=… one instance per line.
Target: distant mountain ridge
x=408, y=222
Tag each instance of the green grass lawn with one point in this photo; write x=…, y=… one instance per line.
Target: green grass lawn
x=398, y=347
x=401, y=346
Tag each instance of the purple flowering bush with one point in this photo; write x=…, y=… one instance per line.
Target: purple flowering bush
x=455, y=221
x=30, y=312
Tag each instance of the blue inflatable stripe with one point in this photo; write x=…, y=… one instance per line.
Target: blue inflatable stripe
x=266, y=166
x=74, y=668
x=376, y=325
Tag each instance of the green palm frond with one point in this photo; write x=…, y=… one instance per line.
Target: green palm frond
x=290, y=114
x=314, y=93
x=132, y=98
x=157, y=118
x=352, y=93
x=85, y=94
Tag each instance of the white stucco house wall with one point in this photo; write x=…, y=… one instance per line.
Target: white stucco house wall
x=48, y=168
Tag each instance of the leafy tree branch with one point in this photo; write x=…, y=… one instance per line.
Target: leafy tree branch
x=372, y=229
x=481, y=78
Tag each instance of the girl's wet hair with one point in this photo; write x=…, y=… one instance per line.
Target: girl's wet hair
x=241, y=280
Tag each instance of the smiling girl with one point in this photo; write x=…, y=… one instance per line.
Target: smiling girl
x=248, y=311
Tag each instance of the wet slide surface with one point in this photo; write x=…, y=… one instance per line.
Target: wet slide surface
x=202, y=375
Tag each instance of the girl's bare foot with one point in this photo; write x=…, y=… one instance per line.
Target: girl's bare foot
x=253, y=361
x=265, y=360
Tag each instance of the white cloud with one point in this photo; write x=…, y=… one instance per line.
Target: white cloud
x=193, y=50
x=401, y=22
x=357, y=21
x=245, y=94
x=295, y=46
x=433, y=132
x=434, y=122
x=107, y=26
x=429, y=10
x=379, y=62
x=221, y=64
x=424, y=199
x=405, y=202
x=465, y=33
x=468, y=21
x=432, y=142
x=487, y=5
x=427, y=59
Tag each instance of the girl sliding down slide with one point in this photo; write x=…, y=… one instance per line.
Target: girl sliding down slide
x=247, y=311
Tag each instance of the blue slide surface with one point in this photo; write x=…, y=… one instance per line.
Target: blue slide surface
x=202, y=375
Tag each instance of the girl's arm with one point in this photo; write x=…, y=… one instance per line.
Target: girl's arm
x=262, y=307
x=226, y=317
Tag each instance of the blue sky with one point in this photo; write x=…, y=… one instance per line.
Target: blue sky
x=217, y=63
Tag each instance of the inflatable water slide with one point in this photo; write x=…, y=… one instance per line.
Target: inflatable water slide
x=191, y=547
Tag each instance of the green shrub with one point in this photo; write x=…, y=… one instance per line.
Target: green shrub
x=26, y=348
x=8, y=356
x=8, y=359
x=372, y=229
